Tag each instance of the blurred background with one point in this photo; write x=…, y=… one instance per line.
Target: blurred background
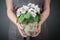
x=53, y=21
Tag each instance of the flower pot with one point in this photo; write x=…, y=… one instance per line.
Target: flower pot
x=30, y=28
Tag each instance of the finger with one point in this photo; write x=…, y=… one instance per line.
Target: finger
x=20, y=27
x=36, y=34
x=37, y=29
x=22, y=34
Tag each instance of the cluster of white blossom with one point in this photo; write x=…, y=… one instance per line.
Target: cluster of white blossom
x=31, y=8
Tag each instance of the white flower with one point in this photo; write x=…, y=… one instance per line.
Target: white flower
x=37, y=8
x=23, y=10
x=25, y=7
x=31, y=5
x=32, y=8
x=33, y=14
x=32, y=11
x=18, y=12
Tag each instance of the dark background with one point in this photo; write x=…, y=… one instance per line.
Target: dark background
x=53, y=21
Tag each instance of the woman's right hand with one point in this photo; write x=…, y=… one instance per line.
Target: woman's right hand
x=20, y=28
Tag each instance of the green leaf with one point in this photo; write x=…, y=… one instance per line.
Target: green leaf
x=25, y=21
x=21, y=18
x=39, y=16
x=36, y=18
x=30, y=20
x=27, y=15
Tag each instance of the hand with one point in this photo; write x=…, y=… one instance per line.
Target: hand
x=38, y=30
x=20, y=28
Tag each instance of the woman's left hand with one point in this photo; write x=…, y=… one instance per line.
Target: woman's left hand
x=38, y=30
